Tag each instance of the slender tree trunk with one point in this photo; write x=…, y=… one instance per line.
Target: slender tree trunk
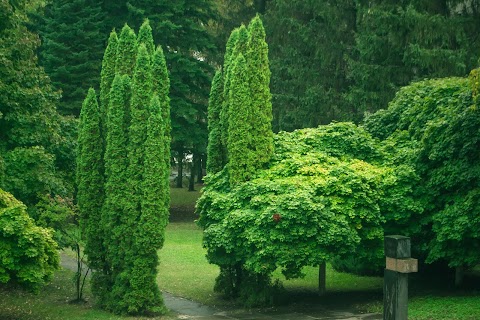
x=179, y=168
x=459, y=273
x=191, y=180
x=200, y=166
x=322, y=279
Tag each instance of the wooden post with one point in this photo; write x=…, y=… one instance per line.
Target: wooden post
x=322, y=279
x=395, y=284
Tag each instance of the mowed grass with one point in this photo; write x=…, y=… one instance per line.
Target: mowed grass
x=185, y=271
x=54, y=303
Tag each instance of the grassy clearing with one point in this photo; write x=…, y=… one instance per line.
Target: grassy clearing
x=184, y=271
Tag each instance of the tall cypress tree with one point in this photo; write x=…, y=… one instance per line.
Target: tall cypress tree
x=230, y=55
x=216, y=157
x=259, y=80
x=126, y=51
x=106, y=77
x=90, y=194
x=161, y=87
x=116, y=189
x=145, y=36
x=141, y=98
x=144, y=294
x=135, y=211
x=241, y=155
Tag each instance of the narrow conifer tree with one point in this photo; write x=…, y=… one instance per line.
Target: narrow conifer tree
x=106, y=78
x=216, y=157
x=126, y=52
x=145, y=37
x=144, y=294
x=241, y=155
x=116, y=189
x=90, y=184
x=135, y=210
x=161, y=87
x=259, y=80
x=141, y=98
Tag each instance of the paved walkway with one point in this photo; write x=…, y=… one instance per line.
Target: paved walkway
x=187, y=309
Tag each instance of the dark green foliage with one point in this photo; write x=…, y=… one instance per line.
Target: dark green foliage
x=30, y=125
x=259, y=81
x=308, y=43
x=106, y=78
x=242, y=156
x=441, y=118
x=72, y=46
x=126, y=51
x=216, y=152
x=90, y=187
x=323, y=196
x=398, y=43
x=30, y=172
x=28, y=253
x=179, y=27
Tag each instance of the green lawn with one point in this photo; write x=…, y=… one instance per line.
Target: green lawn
x=184, y=271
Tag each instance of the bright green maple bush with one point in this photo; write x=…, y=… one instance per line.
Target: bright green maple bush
x=28, y=253
x=321, y=198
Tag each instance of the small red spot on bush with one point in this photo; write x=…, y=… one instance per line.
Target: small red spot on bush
x=276, y=217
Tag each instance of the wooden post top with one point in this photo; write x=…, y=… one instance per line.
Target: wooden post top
x=397, y=247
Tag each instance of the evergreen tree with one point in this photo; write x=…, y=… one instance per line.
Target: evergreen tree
x=308, y=43
x=259, y=80
x=241, y=155
x=106, y=77
x=161, y=87
x=216, y=157
x=135, y=210
x=71, y=51
x=229, y=59
x=145, y=36
x=141, y=98
x=180, y=28
x=90, y=189
x=126, y=51
x=144, y=293
x=413, y=40
x=116, y=210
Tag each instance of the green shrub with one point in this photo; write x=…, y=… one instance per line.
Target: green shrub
x=28, y=253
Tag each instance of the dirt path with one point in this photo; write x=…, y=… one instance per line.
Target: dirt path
x=187, y=309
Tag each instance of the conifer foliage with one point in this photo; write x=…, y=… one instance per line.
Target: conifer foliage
x=240, y=144
x=245, y=141
x=131, y=217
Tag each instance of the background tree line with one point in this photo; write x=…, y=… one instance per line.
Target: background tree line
x=330, y=60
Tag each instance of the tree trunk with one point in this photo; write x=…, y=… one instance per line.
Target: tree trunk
x=191, y=180
x=459, y=273
x=200, y=166
x=322, y=279
x=179, y=168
